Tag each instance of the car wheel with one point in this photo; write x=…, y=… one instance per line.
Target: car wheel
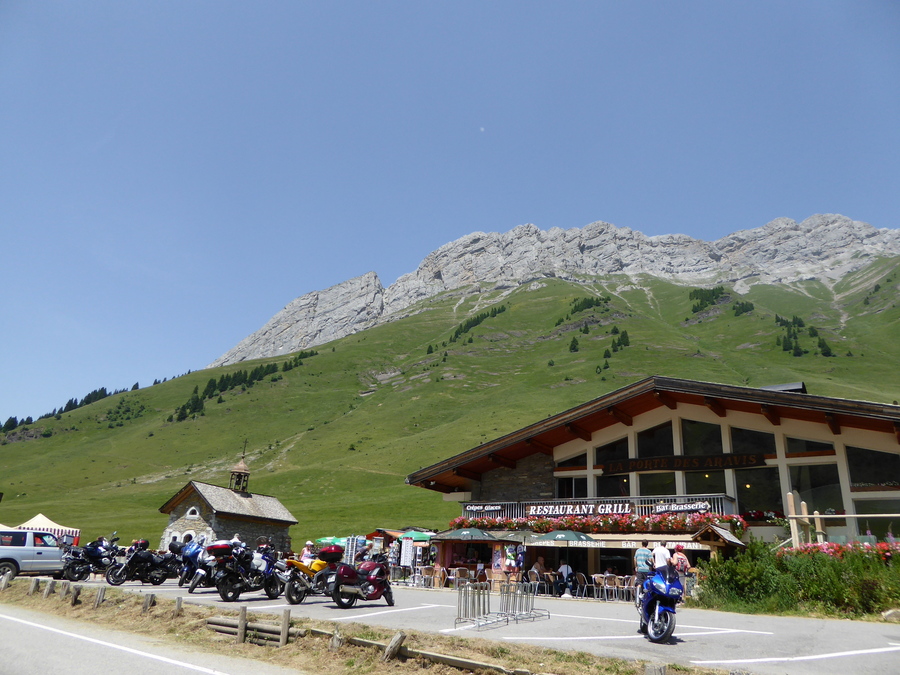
x=10, y=568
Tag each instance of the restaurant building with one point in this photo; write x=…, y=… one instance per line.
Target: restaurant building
x=663, y=457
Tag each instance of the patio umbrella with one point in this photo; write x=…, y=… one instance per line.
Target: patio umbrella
x=559, y=538
x=415, y=535
x=329, y=541
x=466, y=534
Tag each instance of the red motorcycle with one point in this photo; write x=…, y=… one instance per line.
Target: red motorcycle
x=370, y=581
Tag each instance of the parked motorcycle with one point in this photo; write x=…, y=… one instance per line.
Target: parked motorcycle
x=208, y=562
x=190, y=555
x=301, y=579
x=144, y=566
x=656, y=602
x=369, y=581
x=79, y=562
x=244, y=571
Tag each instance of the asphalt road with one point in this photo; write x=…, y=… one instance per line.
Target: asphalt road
x=735, y=642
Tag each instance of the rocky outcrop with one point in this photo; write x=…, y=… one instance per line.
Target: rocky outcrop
x=825, y=247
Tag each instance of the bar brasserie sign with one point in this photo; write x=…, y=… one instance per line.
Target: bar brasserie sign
x=686, y=463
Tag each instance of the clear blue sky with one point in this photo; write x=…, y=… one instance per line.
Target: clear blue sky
x=173, y=173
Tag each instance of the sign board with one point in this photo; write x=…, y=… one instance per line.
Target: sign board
x=691, y=507
x=686, y=463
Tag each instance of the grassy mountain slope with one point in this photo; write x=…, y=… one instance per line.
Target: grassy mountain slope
x=335, y=437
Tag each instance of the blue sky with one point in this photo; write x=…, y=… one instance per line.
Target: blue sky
x=172, y=174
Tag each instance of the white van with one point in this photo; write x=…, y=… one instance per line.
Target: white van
x=27, y=551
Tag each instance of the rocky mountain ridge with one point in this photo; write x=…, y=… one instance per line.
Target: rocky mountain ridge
x=824, y=247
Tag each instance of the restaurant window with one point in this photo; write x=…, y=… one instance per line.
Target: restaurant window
x=820, y=487
x=877, y=526
x=797, y=446
x=744, y=441
x=871, y=470
x=657, y=484
x=571, y=488
x=704, y=482
x=612, y=452
x=579, y=461
x=612, y=486
x=656, y=442
x=701, y=438
x=759, y=492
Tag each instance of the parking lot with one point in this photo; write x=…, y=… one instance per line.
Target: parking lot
x=732, y=642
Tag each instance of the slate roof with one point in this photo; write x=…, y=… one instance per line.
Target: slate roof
x=226, y=501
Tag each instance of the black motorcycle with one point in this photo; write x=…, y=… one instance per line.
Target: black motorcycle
x=79, y=562
x=144, y=566
x=248, y=571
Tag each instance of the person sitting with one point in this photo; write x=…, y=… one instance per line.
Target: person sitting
x=539, y=566
x=308, y=554
x=566, y=578
x=363, y=554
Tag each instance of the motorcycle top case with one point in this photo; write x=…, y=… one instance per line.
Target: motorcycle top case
x=219, y=549
x=332, y=554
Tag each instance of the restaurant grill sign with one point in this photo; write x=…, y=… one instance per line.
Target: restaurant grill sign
x=686, y=463
x=558, y=509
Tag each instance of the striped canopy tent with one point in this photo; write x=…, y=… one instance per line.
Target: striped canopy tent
x=43, y=524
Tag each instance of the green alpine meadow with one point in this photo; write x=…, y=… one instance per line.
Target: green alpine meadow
x=333, y=431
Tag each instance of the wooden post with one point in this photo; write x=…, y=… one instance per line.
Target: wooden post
x=652, y=669
x=285, y=627
x=35, y=586
x=64, y=588
x=101, y=594
x=242, y=626
x=177, y=611
x=76, y=591
x=51, y=588
x=792, y=511
x=807, y=534
x=394, y=646
x=149, y=601
x=820, y=530
x=4, y=581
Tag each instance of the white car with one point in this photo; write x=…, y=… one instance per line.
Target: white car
x=27, y=551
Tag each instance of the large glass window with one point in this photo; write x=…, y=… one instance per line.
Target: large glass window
x=872, y=470
x=657, y=483
x=820, y=487
x=656, y=442
x=611, y=452
x=797, y=446
x=744, y=441
x=701, y=438
x=877, y=526
x=759, y=492
x=571, y=488
x=579, y=461
x=612, y=486
x=704, y=482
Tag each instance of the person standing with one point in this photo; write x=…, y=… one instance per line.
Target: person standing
x=661, y=559
x=642, y=563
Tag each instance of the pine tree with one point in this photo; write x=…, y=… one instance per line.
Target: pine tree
x=573, y=345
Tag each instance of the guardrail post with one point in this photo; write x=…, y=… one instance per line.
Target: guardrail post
x=242, y=626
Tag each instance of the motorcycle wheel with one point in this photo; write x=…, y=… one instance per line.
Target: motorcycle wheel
x=344, y=602
x=228, y=589
x=195, y=581
x=661, y=630
x=273, y=587
x=115, y=575
x=388, y=596
x=183, y=577
x=76, y=573
x=295, y=592
x=157, y=577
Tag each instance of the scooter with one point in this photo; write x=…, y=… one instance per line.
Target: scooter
x=369, y=581
x=301, y=579
x=656, y=604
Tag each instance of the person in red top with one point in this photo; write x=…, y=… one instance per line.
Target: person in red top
x=680, y=560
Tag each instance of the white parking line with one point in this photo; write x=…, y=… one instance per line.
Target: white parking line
x=681, y=625
x=387, y=611
x=812, y=657
x=182, y=664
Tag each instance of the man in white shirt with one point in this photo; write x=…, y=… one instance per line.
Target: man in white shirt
x=661, y=558
x=562, y=583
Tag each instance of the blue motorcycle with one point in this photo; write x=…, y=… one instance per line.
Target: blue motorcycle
x=656, y=602
x=190, y=554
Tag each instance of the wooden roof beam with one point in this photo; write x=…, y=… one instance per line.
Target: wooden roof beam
x=434, y=485
x=539, y=446
x=620, y=415
x=666, y=400
x=770, y=414
x=832, y=423
x=715, y=405
x=502, y=461
x=579, y=432
x=466, y=473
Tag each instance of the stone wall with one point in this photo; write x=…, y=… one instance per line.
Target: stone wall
x=195, y=517
x=531, y=479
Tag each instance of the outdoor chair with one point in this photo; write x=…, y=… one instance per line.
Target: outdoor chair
x=626, y=588
x=584, y=585
x=440, y=577
x=427, y=576
x=496, y=578
x=535, y=578
x=611, y=587
x=458, y=576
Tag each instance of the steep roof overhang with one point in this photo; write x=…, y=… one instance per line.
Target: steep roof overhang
x=622, y=406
